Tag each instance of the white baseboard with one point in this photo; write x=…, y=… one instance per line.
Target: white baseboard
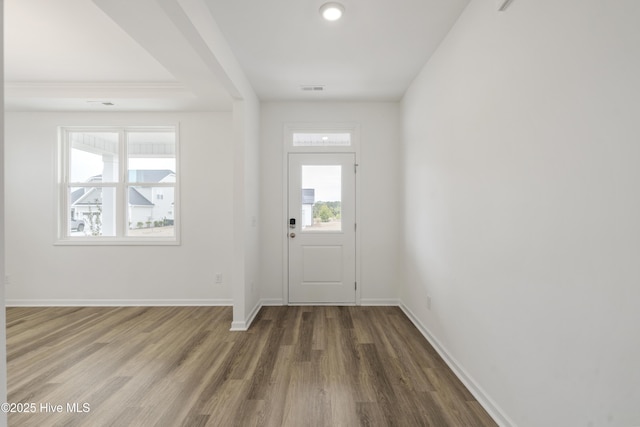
x=321, y=304
x=474, y=388
x=115, y=302
x=243, y=325
x=364, y=301
x=273, y=302
x=239, y=326
x=379, y=301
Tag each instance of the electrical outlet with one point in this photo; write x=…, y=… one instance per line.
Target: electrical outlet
x=7, y=279
x=218, y=278
x=428, y=302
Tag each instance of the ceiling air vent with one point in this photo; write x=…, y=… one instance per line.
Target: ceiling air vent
x=106, y=103
x=312, y=88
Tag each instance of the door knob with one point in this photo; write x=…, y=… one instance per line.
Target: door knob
x=292, y=235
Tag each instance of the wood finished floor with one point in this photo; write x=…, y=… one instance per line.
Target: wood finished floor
x=180, y=366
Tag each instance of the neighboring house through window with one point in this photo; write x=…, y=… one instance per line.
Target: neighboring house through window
x=118, y=185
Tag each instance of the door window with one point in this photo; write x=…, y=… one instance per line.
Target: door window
x=321, y=209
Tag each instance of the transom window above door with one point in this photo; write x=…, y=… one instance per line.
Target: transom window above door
x=321, y=137
x=329, y=139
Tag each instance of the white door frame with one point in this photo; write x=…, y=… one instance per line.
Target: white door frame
x=288, y=147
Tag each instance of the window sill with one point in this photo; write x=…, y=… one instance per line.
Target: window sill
x=116, y=241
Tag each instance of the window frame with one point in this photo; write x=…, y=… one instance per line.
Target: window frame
x=121, y=186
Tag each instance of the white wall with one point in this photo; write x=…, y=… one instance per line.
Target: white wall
x=252, y=204
x=522, y=207
x=246, y=250
x=201, y=27
x=379, y=176
x=3, y=329
x=43, y=273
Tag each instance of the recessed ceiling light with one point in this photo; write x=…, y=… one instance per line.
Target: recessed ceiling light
x=332, y=11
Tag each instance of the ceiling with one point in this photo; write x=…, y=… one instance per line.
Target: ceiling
x=373, y=53
x=140, y=56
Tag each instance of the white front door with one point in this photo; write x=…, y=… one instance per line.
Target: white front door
x=321, y=233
